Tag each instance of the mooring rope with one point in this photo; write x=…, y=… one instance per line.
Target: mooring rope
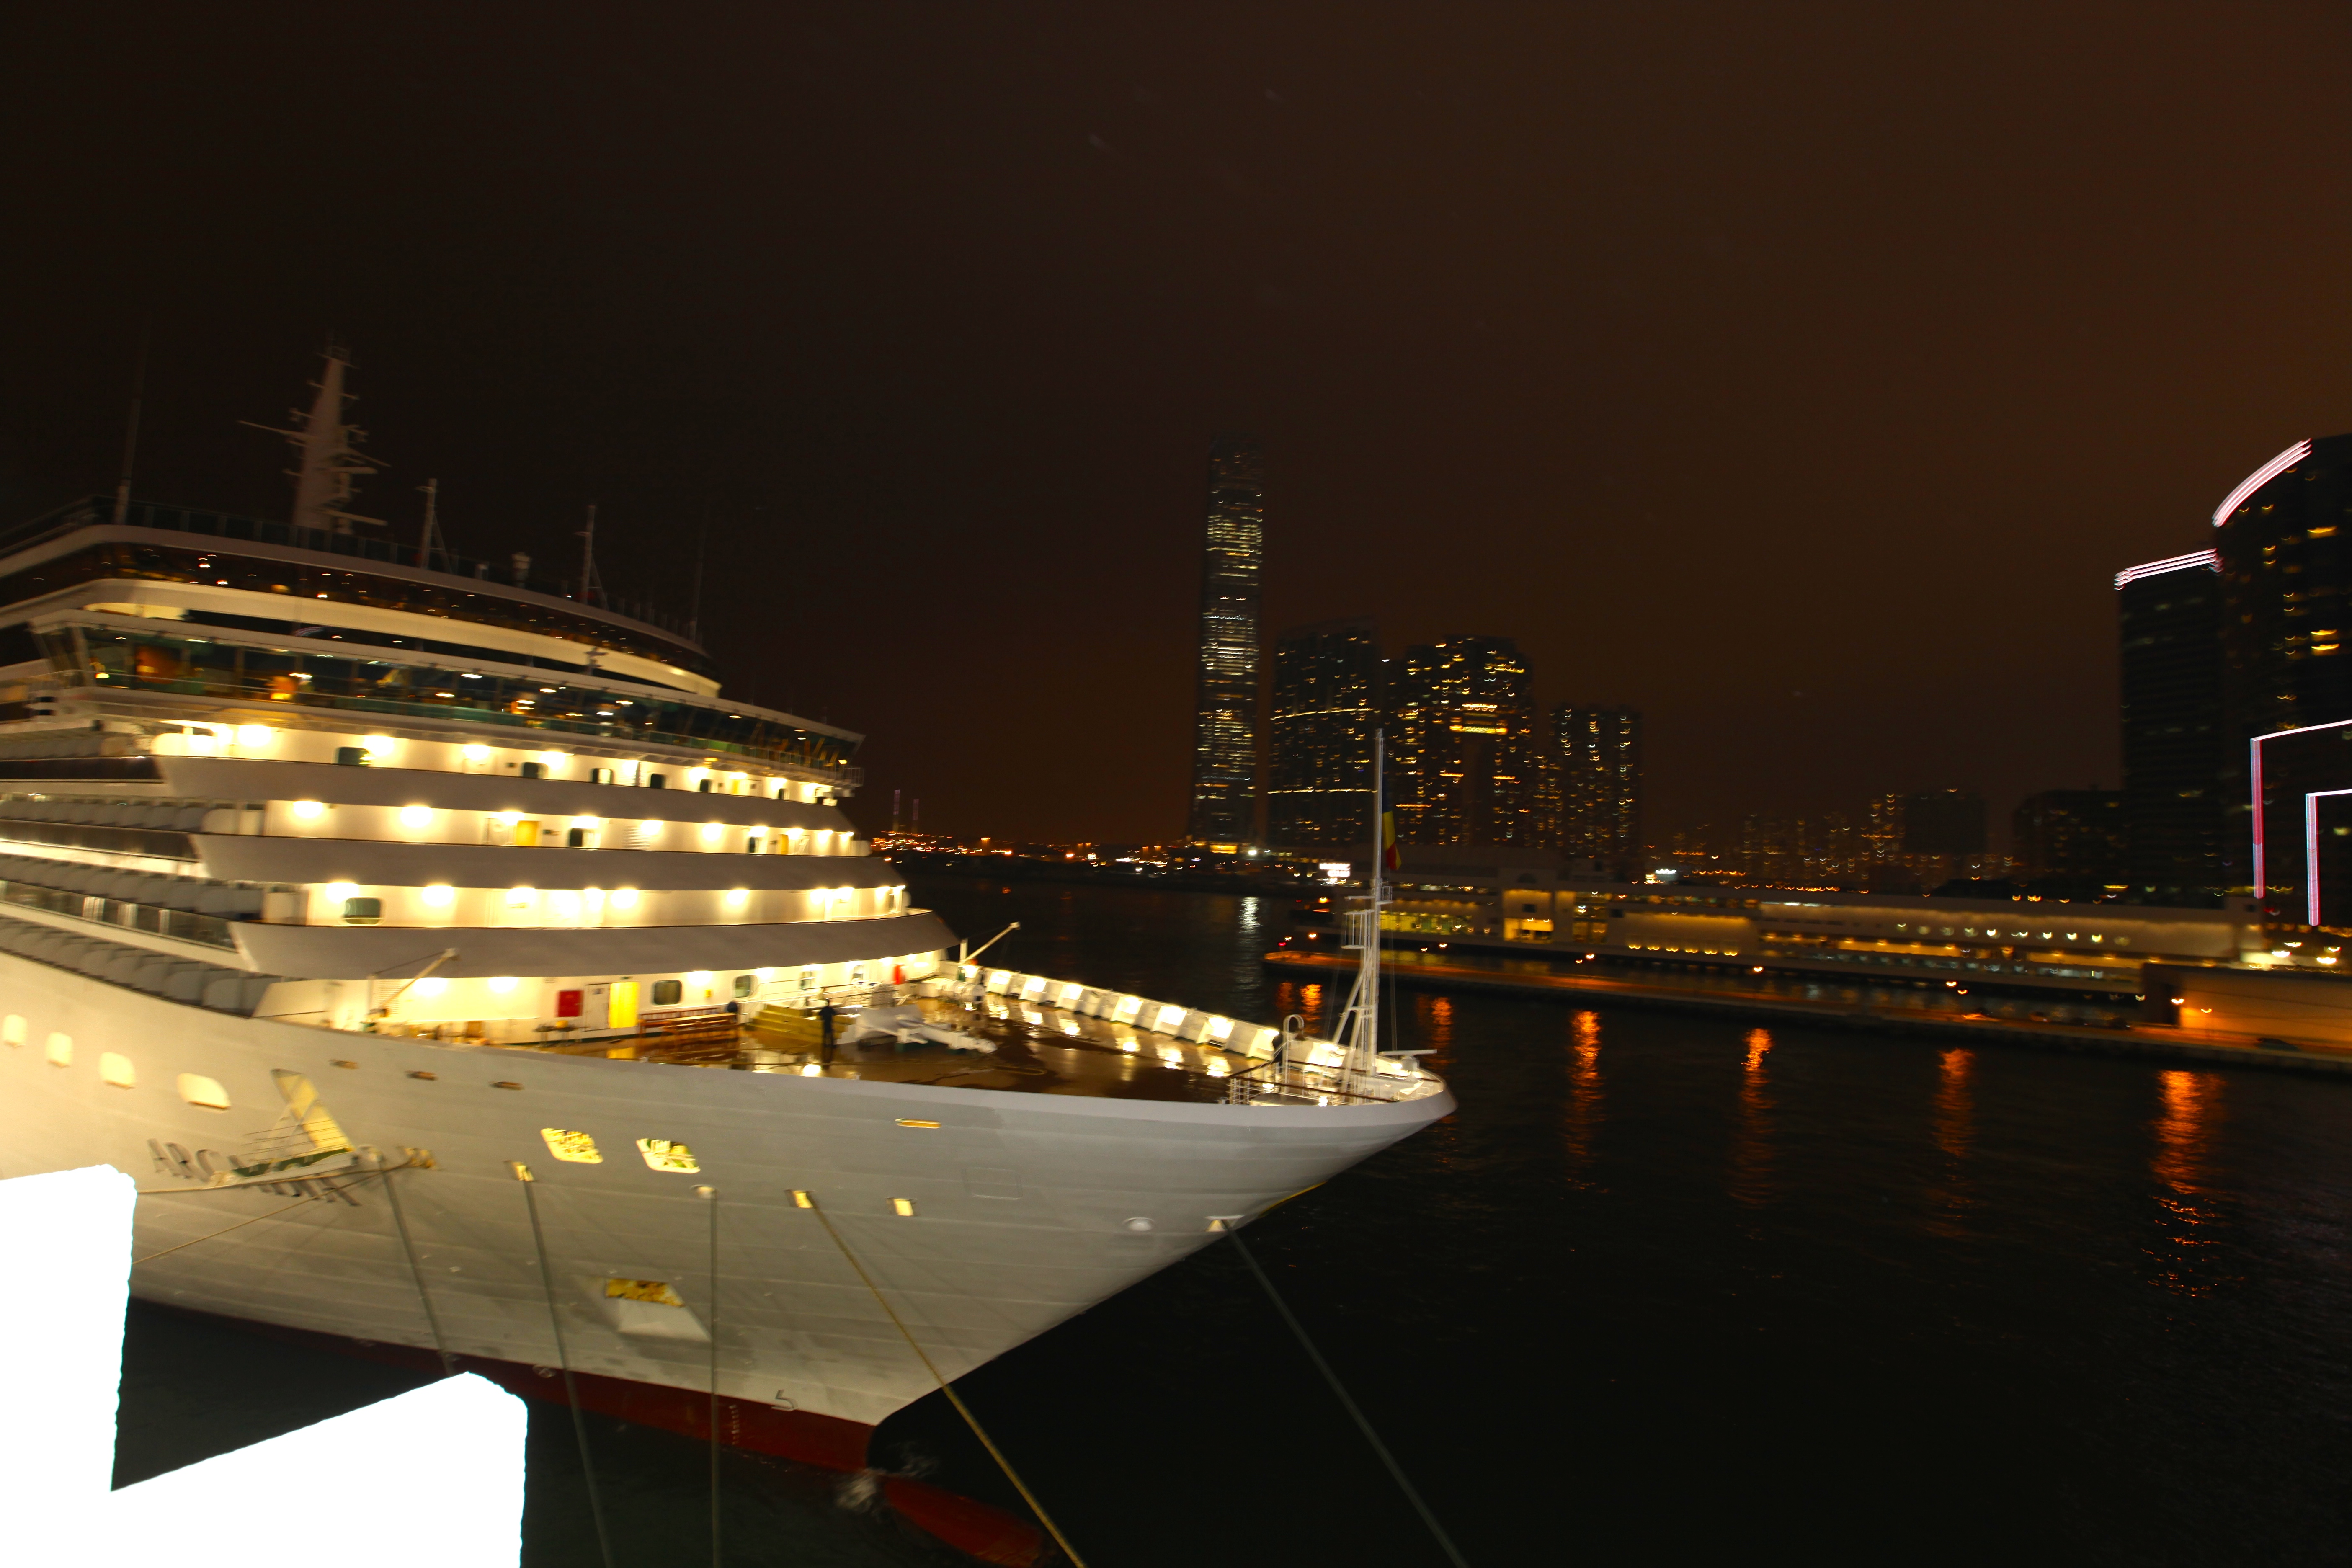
x=416, y=1270
x=1362, y=1425
x=224, y=1230
x=953, y=1398
x=563, y=1359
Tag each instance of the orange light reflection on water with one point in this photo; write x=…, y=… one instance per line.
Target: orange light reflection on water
x=1435, y=1015
x=1954, y=1130
x=1304, y=997
x=2188, y=1114
x=1584, y=1101
x=1751, y=1146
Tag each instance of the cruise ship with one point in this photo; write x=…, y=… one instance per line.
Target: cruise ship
x=443, y=950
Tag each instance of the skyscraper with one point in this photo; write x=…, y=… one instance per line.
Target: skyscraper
x=2284, y=541
x=1327, y=705
x=1224, y=721
x=1462, y=759
x=2177, y=758
x=1598, y=754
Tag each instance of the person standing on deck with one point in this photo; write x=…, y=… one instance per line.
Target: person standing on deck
x=825, y=1013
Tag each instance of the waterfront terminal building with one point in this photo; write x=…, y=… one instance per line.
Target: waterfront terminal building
x=1524, y=902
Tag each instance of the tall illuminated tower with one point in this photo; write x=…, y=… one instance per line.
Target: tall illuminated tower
x=1224, y=723
x=1327, y=705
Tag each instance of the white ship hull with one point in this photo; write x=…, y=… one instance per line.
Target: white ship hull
x=1025, y=1207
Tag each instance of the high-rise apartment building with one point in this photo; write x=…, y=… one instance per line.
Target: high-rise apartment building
x=2284, y=541
x=1326, y=709
x=2178, y=758
x=2071, y=835
x=1224, y=723
x=1596, y=753
x=1462, y=752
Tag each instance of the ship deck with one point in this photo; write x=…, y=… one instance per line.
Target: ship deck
x=1015, y=1046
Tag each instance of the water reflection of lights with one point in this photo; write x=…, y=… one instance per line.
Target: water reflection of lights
x=1751, y=1149
x=2188, y=1110
x=1585, y=1104
x=1954, y=1130
x=1436, y=1018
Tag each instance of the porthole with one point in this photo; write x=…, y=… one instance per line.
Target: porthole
x=114, y=1070
x=12, y=1029
x=666, y=993
x=60, y=1050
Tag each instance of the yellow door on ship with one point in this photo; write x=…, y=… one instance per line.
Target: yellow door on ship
x=620, y=1005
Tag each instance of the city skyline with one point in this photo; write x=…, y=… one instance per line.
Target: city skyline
x=1663, y=411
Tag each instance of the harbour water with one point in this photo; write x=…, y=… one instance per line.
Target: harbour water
x=1666, y=1288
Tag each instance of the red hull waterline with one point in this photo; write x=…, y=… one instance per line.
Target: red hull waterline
x=828, y=1442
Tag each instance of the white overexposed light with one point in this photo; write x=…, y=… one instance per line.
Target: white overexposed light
x=458, y=1442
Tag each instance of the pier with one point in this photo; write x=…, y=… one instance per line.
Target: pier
x=2136, y=1039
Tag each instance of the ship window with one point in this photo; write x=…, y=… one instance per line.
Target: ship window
x=351, y=756
x=362, y=911
x=114, y=1068
x=600, y=775
x=657, y=781
x=903, y=1207
x=534, y=770
x=666, y=993
x=577, y=1147
x=60, y=1050
x=704, y=787
x=198, y=1090
x=743, y=986
x=577, y=838
x=662, y=1154
x=12, y=1028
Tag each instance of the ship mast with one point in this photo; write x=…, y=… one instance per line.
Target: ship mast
x=1359, y=1025
x=325, y=448
x=590, y=587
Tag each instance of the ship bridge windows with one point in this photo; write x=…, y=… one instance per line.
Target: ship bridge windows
x=205, y=667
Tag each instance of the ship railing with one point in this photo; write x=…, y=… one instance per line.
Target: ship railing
x=98, y=511
x=1280, y=1080
x=1285, y=1064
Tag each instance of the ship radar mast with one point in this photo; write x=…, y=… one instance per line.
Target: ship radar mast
x=327, y=452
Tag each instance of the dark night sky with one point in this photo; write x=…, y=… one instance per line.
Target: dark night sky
x=1800, y=374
